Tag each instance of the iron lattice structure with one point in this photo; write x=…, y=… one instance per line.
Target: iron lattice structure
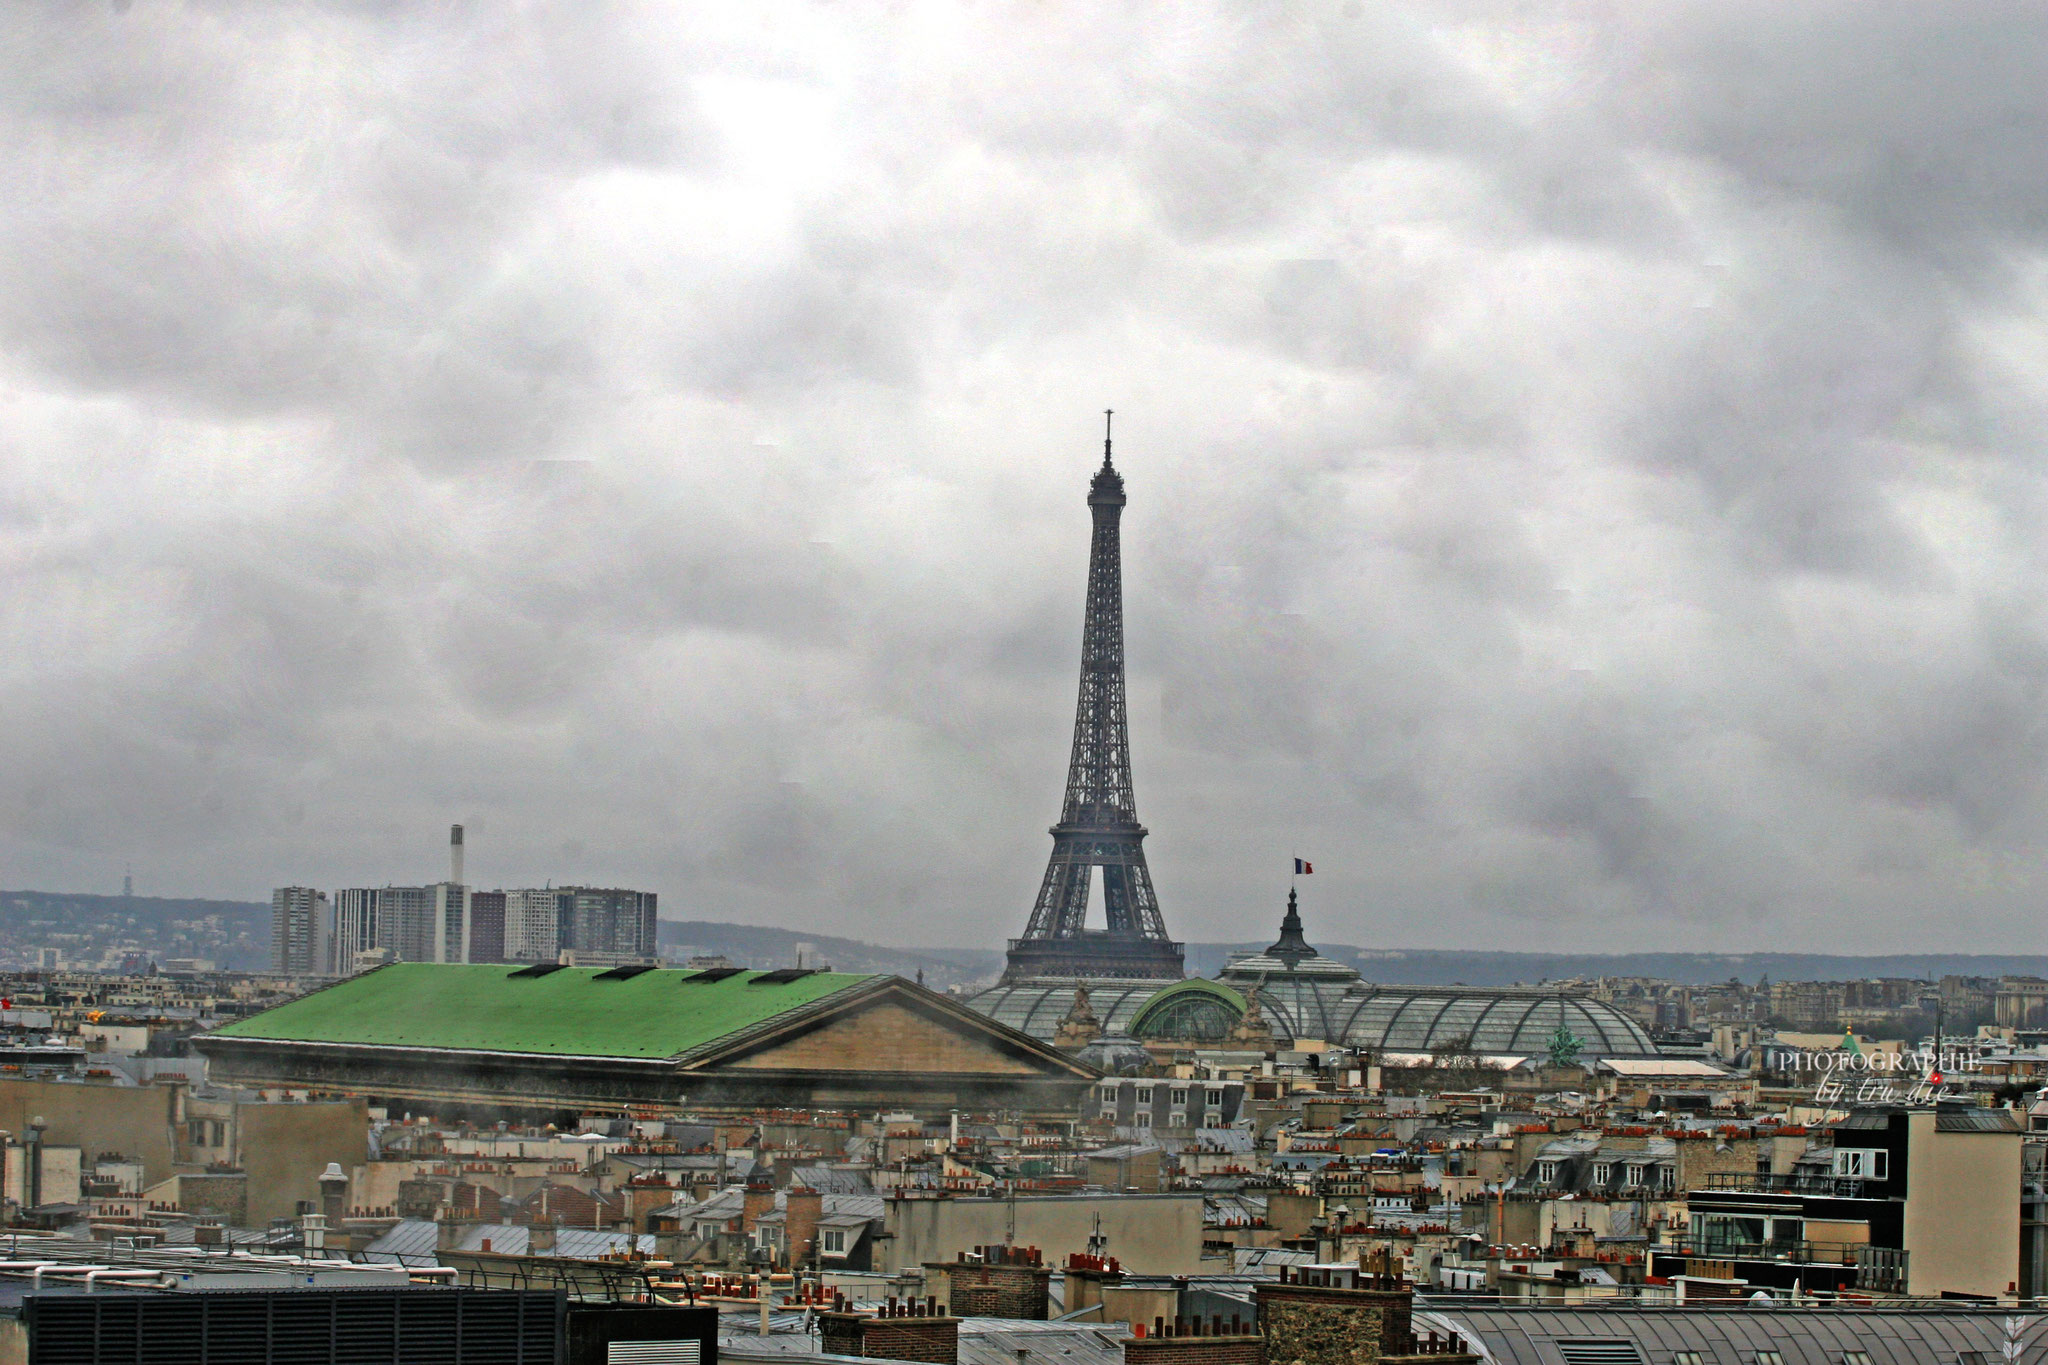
x=1098, y=825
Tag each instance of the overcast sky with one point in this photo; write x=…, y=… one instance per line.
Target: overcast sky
x=1584, y=468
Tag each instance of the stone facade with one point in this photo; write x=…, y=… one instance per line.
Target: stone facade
x=1336, y=1315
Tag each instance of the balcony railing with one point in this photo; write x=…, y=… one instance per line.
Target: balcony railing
x=1790, y=1253
x=1879, y=1270
x=1799, y=1182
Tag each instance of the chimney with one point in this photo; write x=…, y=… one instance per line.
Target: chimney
x=802, y=1208
x=455, y=854
x=1198, y=1341
x=906, y=1329
x=333, y=1194
x=1006, y=1282
x=1323, y=1312
x=757, y=1199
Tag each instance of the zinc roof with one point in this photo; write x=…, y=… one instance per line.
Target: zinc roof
x=1915, y=1336
x=570, y=1012
x=408, y=1237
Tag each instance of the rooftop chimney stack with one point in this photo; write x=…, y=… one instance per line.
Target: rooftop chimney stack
x=455, y=854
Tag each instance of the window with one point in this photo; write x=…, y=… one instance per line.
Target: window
x=1215, y=1099
x=1176, y=1119
x=1603, y=1172
x=1635, y=1176
x=1855, y=1358
x=833, y=1241
x=1144, y=1094
x=1768, y=1358
x=1144, y=1119
x=1860, y=1163
x=1667, y=1177
x=1109, y=1094
x=1179, y=1096
x=1687, y=1358
x=1546, y=1171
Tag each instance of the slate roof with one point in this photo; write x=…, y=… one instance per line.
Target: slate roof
x=1915, y=1336
x=586, y=1244
x=510, y=1239
x=1234, y=1140
x=838, y=1209
x=410, y=1237
x=727, y=1204
x=833, y=1179
x=570, y=1012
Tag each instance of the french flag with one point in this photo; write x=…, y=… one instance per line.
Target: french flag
x=1302, y=868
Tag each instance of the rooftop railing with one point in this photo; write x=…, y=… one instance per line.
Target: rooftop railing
x=1878, y=1269
x=1790, y=1182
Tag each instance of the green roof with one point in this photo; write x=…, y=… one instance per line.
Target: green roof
x=656, y=1014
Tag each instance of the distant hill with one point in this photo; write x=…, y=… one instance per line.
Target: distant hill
x=753, y=945
x=1427, y=967
x=756, y=946
x=89, y=929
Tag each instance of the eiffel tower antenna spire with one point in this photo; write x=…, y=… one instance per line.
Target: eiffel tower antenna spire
x=1098, y=825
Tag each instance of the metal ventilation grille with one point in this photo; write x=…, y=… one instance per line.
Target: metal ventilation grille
x=1599, y=1351
x=297, y=1327
x=651, y=1353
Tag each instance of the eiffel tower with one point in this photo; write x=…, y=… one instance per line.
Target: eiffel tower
x=1098, y=825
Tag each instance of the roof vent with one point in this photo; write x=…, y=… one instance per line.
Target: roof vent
x=537, y=969
x=1598, y=1351
x=711, y=974
x=782, y=974
x=626, y=973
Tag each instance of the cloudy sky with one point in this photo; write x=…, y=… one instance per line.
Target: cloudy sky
x=1584, y=459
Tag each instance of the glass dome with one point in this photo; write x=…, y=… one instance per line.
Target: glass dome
x=1193, y=1011
x=1036, y=1006
x=1486, y=1022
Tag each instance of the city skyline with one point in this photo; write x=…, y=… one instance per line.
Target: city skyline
x=1584, y=473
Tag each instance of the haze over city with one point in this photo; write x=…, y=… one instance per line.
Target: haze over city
x=1583, y=470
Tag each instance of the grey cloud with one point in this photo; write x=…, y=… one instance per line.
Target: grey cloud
x=1582, y=462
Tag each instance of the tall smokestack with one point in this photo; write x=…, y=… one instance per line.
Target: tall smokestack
x=455, y=854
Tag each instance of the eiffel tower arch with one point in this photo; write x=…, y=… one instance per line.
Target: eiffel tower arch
x=1098, y=825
